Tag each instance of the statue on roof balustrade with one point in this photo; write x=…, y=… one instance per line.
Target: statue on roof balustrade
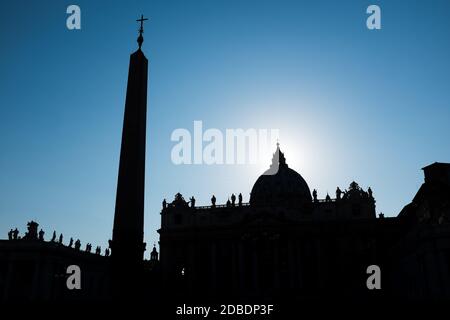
x=233, y=199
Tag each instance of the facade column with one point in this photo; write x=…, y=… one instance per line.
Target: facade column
x=241, y=270
x=213, y=281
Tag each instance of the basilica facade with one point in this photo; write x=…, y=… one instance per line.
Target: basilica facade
x=288, y=244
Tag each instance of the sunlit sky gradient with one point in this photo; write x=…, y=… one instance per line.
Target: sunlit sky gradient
x=351, y=104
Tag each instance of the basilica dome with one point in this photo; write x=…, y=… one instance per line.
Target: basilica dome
x=280, y=185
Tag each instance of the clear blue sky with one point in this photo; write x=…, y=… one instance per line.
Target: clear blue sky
x=351, y=104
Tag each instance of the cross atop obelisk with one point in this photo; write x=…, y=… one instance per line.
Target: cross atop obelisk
x=141, y=30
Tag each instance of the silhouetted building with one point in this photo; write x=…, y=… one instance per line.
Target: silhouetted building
x=282, y=243
x=32, y=269
x=285, y=244
x=422, y=256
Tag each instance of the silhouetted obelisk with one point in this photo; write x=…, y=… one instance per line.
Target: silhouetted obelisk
x=128, y=233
